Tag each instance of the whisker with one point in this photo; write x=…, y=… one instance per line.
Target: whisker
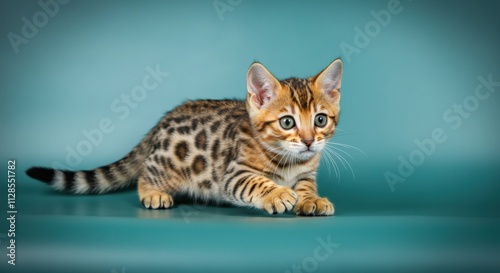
x=346, y=146
x=347, y=132
x=278, y=152
x=331, y=160
x=345, y=152
x=337, y=151
x=326, y=158
x=279, y=162
x=342, y=159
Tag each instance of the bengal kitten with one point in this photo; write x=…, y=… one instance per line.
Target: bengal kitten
x=263, y=152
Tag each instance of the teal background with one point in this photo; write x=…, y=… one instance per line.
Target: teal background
x=444, y=217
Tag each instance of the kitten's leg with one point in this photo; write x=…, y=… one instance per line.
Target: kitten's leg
x=309, y=202
x=157, y=182
x=261, y=192
x=152, y=196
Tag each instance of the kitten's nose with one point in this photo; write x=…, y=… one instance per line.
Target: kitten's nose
x=307, y=141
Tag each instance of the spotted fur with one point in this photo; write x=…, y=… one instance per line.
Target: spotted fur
x=229, y=151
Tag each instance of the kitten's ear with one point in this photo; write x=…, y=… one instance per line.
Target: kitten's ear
x=329, y=80
x=261, y=85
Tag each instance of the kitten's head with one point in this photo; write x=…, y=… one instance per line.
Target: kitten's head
x=294, y=117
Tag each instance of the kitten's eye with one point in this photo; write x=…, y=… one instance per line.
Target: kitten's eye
x=320, y=120
x=287, y=122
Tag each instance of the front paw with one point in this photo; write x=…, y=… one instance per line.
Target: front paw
x=315, y=206
x=279, y=200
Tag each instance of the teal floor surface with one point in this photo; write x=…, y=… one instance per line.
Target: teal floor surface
x=113, y=233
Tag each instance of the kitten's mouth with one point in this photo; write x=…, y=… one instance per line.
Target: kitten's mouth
x=308, y=149
x=307, y=152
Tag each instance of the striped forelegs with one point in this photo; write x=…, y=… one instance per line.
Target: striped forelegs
x=263, y=193
x=153, y=197
x=309, y=202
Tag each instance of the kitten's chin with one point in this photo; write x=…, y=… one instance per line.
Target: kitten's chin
x=305, y=155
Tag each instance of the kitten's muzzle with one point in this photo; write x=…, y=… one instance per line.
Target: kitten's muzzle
x=307, y=142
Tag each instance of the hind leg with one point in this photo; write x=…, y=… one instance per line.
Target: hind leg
x=158, y=182
x=152, y=196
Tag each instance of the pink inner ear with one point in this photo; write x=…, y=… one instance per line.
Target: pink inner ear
x=334, y=94
x=263, y=91
x=332, y=84
x=261, y=98
x=261, y=84
x=329, y=79
x=256, y=99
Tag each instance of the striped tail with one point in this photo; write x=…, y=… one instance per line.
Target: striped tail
x=118, y=175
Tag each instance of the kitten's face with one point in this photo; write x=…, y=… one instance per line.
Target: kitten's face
x=298, y=116
x=299, y=121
